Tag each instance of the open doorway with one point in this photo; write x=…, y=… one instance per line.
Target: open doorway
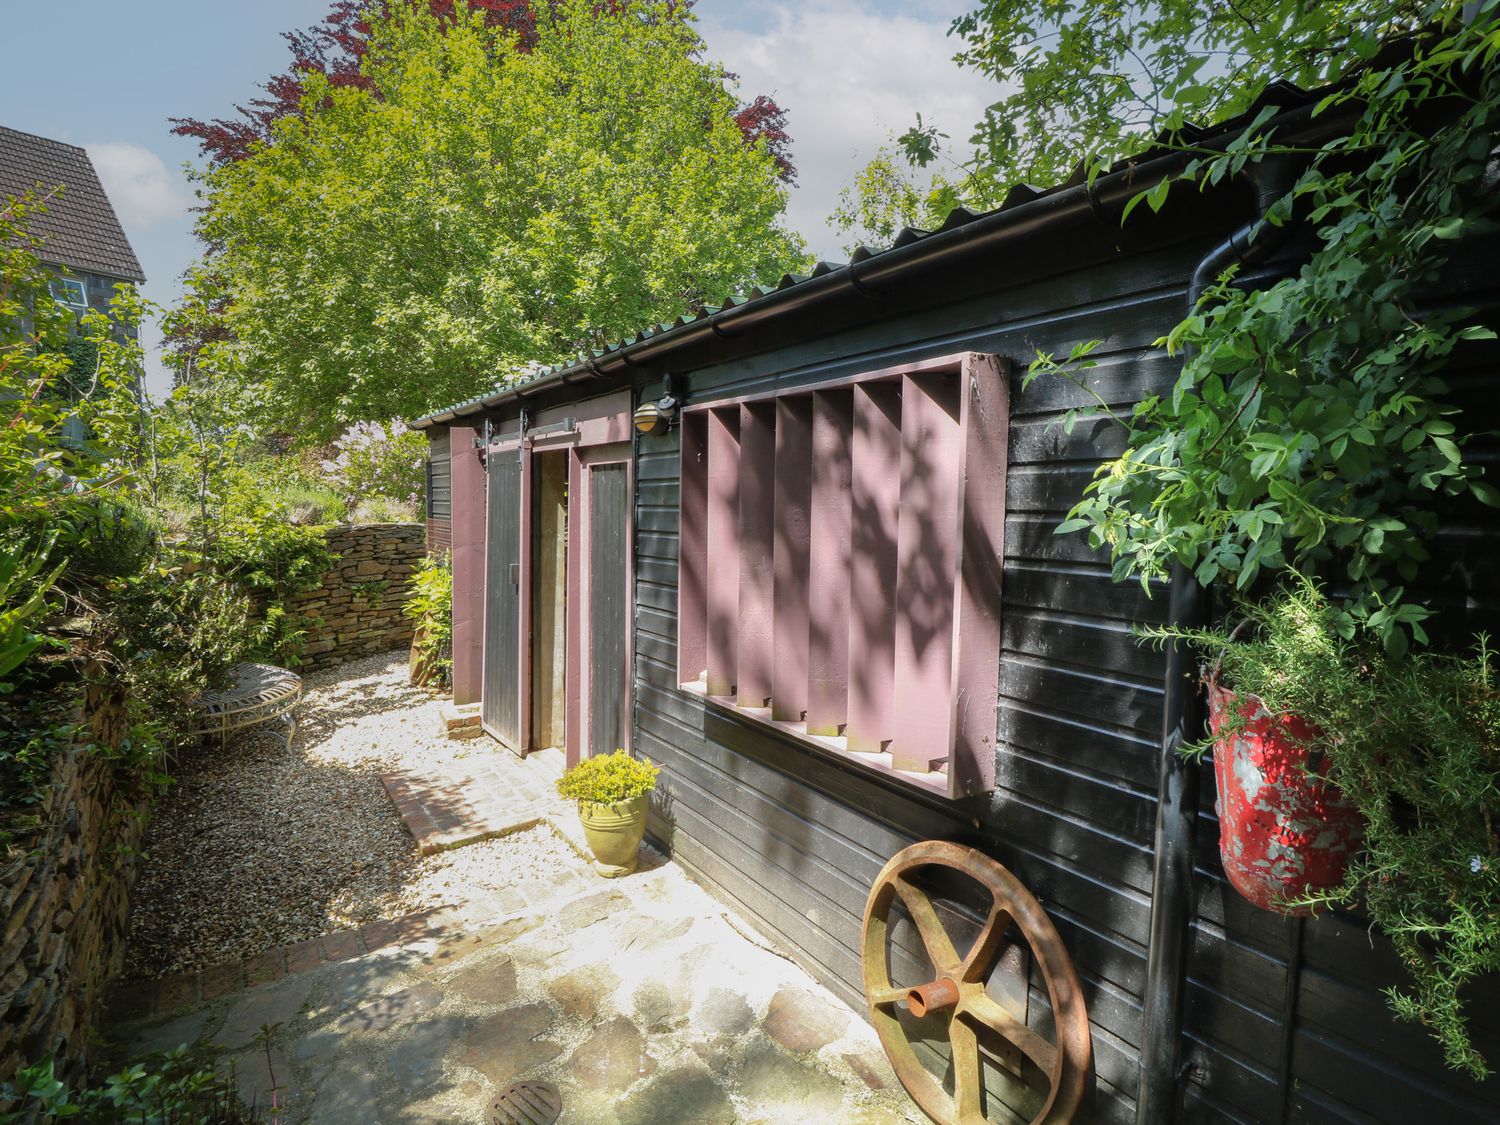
x=549, y=630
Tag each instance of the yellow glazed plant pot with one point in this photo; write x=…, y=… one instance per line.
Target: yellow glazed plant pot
x=614, y=833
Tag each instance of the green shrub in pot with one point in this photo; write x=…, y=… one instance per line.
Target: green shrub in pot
x=1414, y=743
x=612, y=791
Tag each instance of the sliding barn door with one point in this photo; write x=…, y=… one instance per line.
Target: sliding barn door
x=609, y=607
x=500, y=694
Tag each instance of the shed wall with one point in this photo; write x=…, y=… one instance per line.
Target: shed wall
x=794, y=839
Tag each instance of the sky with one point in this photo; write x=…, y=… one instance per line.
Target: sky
x=107, y=75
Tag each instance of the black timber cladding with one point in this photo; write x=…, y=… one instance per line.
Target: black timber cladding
x=79, y=228
x=794, y=839
x=439, y=476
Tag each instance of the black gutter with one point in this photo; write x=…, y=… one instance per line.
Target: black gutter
x=1100, y=202
x=1182, y=723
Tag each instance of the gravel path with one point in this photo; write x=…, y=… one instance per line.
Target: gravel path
x=256, y=847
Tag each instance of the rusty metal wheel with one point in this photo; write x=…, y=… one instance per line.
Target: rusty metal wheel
x=958, y=989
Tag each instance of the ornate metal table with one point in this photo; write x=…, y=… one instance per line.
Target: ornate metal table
x=257, y=693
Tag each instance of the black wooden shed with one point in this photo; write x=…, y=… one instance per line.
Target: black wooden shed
x=638, y=590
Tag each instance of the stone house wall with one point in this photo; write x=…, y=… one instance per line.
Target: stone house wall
x=64, y=909
x=357, y=609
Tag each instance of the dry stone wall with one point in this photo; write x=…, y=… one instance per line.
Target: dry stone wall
x=357, y=609
x=65, y=907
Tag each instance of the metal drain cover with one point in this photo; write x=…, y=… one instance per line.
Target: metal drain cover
x=528, y=1103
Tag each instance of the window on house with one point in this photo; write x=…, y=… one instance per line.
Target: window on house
x=840, y=566
x=70, y=292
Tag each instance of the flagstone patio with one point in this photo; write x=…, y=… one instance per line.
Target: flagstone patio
x=642, y=999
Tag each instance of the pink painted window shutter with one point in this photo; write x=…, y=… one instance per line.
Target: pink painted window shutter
x=840, y=566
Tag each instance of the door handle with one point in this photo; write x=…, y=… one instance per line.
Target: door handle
x=515, y=575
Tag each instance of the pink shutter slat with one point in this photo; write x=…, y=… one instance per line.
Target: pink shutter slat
x=927, y=556
x=692, y=557
x=790, y=550
x=875, y=483
x=723, y=554
x=975, y=690
x=828, y=564
x=757, y=564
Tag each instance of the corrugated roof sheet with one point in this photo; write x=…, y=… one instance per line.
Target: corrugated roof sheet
x=79, y=228
x=1283, y=95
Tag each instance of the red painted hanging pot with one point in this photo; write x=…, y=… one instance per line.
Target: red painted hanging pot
x=1284, y=830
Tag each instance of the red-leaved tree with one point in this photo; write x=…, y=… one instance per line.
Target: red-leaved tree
x=337, y=44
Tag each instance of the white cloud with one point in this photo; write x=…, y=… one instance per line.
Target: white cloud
x=849, y=78
x=142, y=189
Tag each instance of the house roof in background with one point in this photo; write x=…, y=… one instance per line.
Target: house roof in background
x=79, y=228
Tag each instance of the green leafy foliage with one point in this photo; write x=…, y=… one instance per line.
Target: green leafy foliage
x=887, y=194
x=1415, y=744
x=607, y=778
x=169, y=1089
x=23, y=592
x=430, y=609
x=479, y=207
x=1310, y=426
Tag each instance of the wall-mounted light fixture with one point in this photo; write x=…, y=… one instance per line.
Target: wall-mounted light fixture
x=655, y=417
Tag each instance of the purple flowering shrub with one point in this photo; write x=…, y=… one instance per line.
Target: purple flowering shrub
x=379, y=466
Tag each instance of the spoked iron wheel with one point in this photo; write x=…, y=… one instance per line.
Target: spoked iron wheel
x=957, y=990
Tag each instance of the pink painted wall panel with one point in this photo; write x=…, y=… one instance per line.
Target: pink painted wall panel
x=875, y=516
x=723, y=555
x=791, y=552
x=573, y=693
x=468, y=564
x=927, y=555
x=976, y=629
x=828, y=564
x=692, y=556
x=757, y=545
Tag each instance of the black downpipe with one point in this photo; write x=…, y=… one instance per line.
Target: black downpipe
x=1182, y=723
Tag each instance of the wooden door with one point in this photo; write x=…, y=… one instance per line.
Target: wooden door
x=500, y=689
x=609, y=608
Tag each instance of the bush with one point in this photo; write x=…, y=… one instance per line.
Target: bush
x=1415, y=744
x=170, y=1091
x=372, y=459
x=607, y=778
x=430, y=609
x=116, y=537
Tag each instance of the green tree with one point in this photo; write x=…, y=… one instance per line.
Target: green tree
x=61, y=375
x=481, y=207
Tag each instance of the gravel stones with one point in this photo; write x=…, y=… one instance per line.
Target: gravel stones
x=257, y=847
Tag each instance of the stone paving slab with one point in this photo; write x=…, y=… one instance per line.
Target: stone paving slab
x=638, y=997
x=477, y=798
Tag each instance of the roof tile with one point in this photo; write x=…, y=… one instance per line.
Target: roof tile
x=79, y=228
